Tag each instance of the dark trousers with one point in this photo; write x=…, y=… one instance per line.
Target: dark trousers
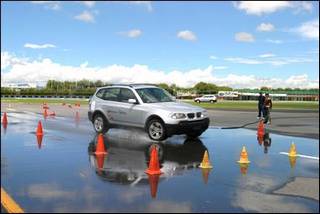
x=266, y=114
x=260, y=110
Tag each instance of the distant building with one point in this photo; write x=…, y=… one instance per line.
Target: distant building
x=20, y=85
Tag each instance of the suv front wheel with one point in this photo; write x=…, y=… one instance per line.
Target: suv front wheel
x=100, y=124
x=156, y=130
x=194, y=134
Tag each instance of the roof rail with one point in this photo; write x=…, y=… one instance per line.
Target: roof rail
x=134, y=84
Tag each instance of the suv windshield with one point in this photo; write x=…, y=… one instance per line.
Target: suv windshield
x=154, y=95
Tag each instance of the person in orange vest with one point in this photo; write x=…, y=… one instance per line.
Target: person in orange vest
x=267, y=108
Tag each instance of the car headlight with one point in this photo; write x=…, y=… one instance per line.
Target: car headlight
x=204, y=114
x=178, y=116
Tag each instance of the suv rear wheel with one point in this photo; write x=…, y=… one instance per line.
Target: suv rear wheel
x=100, y=124
x=156, y=130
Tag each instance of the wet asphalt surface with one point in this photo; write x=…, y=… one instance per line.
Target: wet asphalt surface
x=59, y=173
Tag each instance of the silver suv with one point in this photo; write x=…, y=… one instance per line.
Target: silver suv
x=148, y=107
x=206, y=98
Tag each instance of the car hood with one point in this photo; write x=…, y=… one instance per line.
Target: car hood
x=176, y=107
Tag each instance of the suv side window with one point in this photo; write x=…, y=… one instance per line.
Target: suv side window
x=126, y=94
x=111, y=94
x=100, y=93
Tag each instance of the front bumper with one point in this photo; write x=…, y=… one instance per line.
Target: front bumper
x=185, y=127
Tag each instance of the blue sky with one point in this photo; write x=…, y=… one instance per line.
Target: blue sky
x=222, y=40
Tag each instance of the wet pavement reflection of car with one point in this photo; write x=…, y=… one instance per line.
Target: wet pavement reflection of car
x=125, y=164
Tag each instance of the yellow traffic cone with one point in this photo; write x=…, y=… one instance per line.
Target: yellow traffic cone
x=293, y=151
x=292, y=161
x=205, y=164
x=243, y=156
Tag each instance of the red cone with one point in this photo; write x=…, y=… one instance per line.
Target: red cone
x=100, y=149
x=39, y=129
x=100, y=162
x=5, y=119
x=154, y=168
x=39, y=140
x=153, y=181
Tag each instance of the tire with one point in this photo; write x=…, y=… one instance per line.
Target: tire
x=211, y=101
x=100, y=124
x=194, y=134
x=156, y=130
x=198, y=101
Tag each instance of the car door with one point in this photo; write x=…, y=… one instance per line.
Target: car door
x=129, y=114
x=110, y=104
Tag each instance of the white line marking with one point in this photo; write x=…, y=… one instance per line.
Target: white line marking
x=302, y=156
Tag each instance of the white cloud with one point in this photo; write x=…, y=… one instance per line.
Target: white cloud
x=27, y=71
x=274, y=41
x=36, y=46
x=241, y=60
x=52, y=5
x=244, y=37
x=273, y=61
x=89, y=3
x=187, y=35
x=309, y=30
x=8, y=60
x=265, y=27
x=85, y=16
x=213, y=57
x=145, y=3
x=134, y=33
x=266, y=7
x=266, y=55
x=219, y=67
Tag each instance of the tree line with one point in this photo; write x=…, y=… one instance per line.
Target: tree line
x=87, y=88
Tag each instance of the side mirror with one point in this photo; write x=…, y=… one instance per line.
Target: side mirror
x=132, y=101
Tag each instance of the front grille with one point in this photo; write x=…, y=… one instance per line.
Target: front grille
x=190, y=115
x=198, y=114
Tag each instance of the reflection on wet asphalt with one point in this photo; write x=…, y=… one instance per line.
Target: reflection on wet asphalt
x=60, y=173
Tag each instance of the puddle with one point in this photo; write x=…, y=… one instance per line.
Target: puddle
x=61, y=173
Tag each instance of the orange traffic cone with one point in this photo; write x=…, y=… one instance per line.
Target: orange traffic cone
x=243, y=168
x=100, y=162
x=39, y=129
x=77, y=116
x=45, y=113
x=205, y=174
x=5, y=119
x=205, y=164
x=292, y=151
x=39, y=140
x=45, y=106
x=154, y=168
x=153, y=181
x=100, y=149
x=243, y=156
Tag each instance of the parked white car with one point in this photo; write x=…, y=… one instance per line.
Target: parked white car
x=206, y=98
